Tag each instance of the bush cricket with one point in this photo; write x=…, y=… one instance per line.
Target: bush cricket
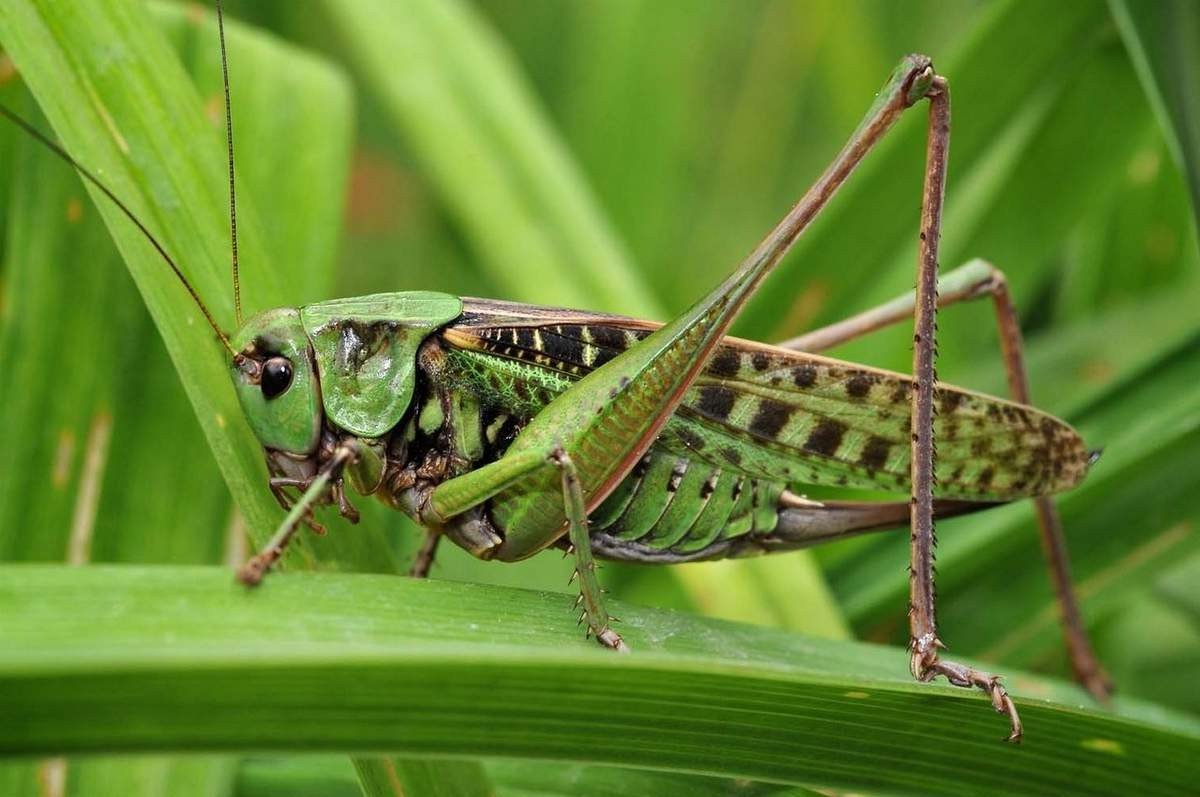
x=511, y=428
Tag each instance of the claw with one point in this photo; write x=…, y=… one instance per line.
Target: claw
x=611, y=639
x=251, y=573
x=925, y=660
x=310, y=520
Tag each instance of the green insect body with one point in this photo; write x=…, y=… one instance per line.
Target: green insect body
x=437, y=387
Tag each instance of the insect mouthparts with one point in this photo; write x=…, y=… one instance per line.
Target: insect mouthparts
x=249, y=367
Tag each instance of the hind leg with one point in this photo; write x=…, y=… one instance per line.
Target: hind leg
x=978, y=279
x=925, y=660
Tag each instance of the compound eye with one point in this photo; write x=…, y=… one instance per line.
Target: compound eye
x=276, y=376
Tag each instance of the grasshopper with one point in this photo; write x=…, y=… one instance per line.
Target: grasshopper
x=511, y=428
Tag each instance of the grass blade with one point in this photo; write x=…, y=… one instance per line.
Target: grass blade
x=452, y=90
x=396, y=777
x=181, y=659
x=1161, y=38
x=332, y=777
x=141, y=84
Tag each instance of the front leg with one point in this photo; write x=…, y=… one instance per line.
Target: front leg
x=251, y=573
x=279, y=487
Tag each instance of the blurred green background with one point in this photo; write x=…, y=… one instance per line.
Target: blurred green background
x=623, y=156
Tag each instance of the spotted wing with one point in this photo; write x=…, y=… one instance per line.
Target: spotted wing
x=789, y=417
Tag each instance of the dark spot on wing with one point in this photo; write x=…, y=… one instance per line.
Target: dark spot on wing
x=825, y=438
x=732, y=455
x=804, y=375
x=760, y=361
x=725, y=363
x=949, y=400
x=859, y=385
x=770, y=419
x=716, y=401
x=521, y=390
x=875, y=453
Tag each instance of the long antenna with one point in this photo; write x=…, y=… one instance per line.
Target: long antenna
x=62, y=153
x=237, y=285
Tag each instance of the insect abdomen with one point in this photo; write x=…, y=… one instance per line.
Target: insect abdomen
x=672, y=503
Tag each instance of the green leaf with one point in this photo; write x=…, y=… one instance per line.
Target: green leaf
x=117, y=97
x=333, y=777
x=992, y=91
x=184, y=659
x=1161, y=39
x=396, y=777
x=453, y=91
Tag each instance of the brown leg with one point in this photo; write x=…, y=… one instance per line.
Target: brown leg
x=975, y=280
x=279, y=490
x=345, y=508
x=1088, y=670
x=253, y=571
x=971, y=280
x=925, y=661
x=424, y=561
